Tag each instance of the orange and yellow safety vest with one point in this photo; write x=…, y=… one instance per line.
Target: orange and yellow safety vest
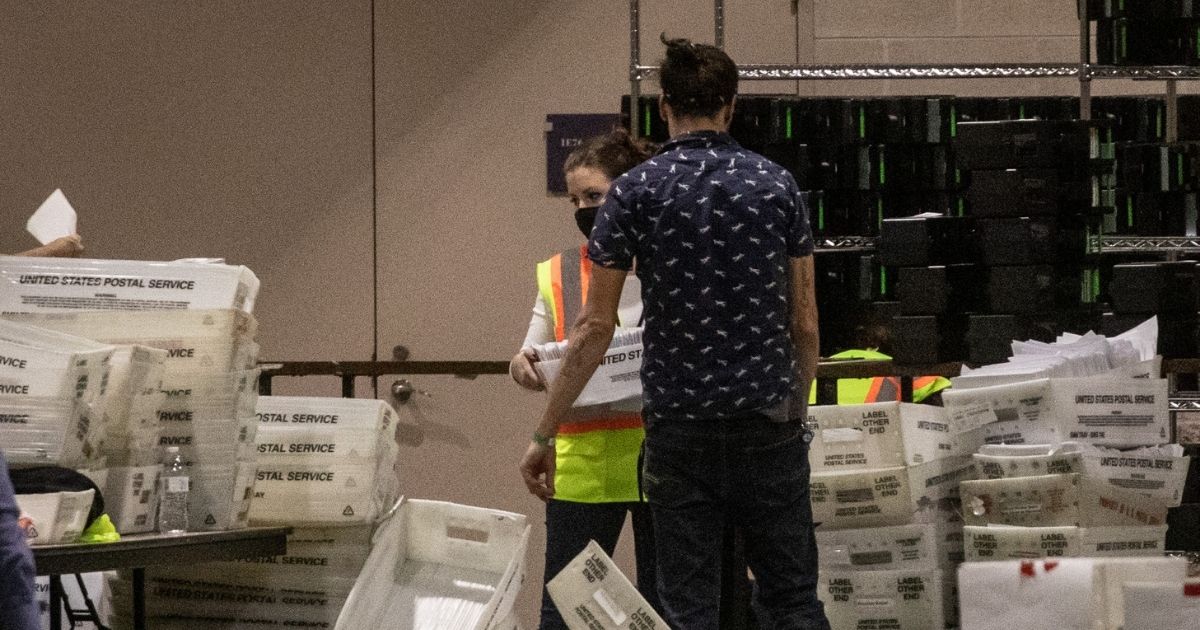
x=856, y=391
x=596, y=460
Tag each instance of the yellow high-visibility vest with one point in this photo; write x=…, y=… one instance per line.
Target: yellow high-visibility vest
x=856, y=391
x=596, y=461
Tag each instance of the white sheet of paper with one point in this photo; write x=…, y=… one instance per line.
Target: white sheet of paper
x=55, y=218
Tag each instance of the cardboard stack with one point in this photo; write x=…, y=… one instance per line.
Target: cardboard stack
x=884, y=491
x=209, y=380
x=56, y=285
x=1070, y=465
x=305, y=588
x=324, y=461
x=326, y=466
x=183, y=325
x=129, y=480
x=1074, y=465
x=52, y=389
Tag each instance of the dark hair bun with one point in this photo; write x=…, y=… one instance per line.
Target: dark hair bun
x=696, y=79
x=680, y=52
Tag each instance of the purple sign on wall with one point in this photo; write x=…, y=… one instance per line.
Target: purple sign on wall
x=564, y=132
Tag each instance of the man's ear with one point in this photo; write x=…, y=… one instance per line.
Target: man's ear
x=664, y=109
x=728, y=117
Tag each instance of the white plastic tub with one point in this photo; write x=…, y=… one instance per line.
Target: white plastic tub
x=439, y=566
x=54, y=518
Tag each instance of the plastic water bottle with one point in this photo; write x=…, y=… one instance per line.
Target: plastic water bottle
x=173, y=494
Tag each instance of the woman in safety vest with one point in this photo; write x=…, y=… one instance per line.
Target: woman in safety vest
x=596, y=457
x=873, y=338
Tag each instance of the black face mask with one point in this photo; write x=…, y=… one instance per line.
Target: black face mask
x=585, y=218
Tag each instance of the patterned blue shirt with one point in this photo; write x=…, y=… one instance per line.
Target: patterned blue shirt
x=712, y=226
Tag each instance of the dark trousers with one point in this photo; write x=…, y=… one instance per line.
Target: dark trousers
x=569, y=527
x=749, y=473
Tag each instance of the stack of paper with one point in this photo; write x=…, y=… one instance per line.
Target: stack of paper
x=52, y=396
x=617, y=380
x=884, y=490
x=324, y=461
x=209, y=386
x=304, y=588
x=1130, y=354
x=47, y=285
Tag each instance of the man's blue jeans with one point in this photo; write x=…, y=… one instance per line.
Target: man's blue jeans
x=750, y=473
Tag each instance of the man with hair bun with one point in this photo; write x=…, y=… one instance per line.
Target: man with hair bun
x=724, y=253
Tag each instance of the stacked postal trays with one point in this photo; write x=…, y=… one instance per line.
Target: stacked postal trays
x=884, y=491
x=52, y=413
x=180, y=370
x=327, y=468
x=1070, y=466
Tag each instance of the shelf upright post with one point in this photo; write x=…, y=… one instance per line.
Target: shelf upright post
x=1172, y=97
x=1085, y=61
x=635, y=59
x=719, y=24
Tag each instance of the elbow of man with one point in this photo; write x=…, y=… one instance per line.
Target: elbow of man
x=596, y=328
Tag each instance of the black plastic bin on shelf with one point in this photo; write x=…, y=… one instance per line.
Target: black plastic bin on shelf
x=928, y=339
x=1025, y=192
x=1049, y=144
x=1034, y=240
x=1139, y=9
x=1155, y=213
x=939, y=289
x=1031, y=289
x=925, y=241
x=1168, y=288
x=990, y=337
x=1148, y=42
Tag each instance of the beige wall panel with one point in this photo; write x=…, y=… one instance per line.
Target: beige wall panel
x=989, y=18
x=221, y=129
x=851, y=52
x=464, y=88
x=984, y=50
x=884, y=18
x=762, y=31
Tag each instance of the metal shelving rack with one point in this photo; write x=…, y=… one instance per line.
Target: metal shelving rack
x=1085, y=71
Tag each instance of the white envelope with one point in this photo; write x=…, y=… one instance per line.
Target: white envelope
x=55, y=218
x=593, y=594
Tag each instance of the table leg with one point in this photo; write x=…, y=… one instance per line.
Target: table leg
x=56, y=603
x=139, y=599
